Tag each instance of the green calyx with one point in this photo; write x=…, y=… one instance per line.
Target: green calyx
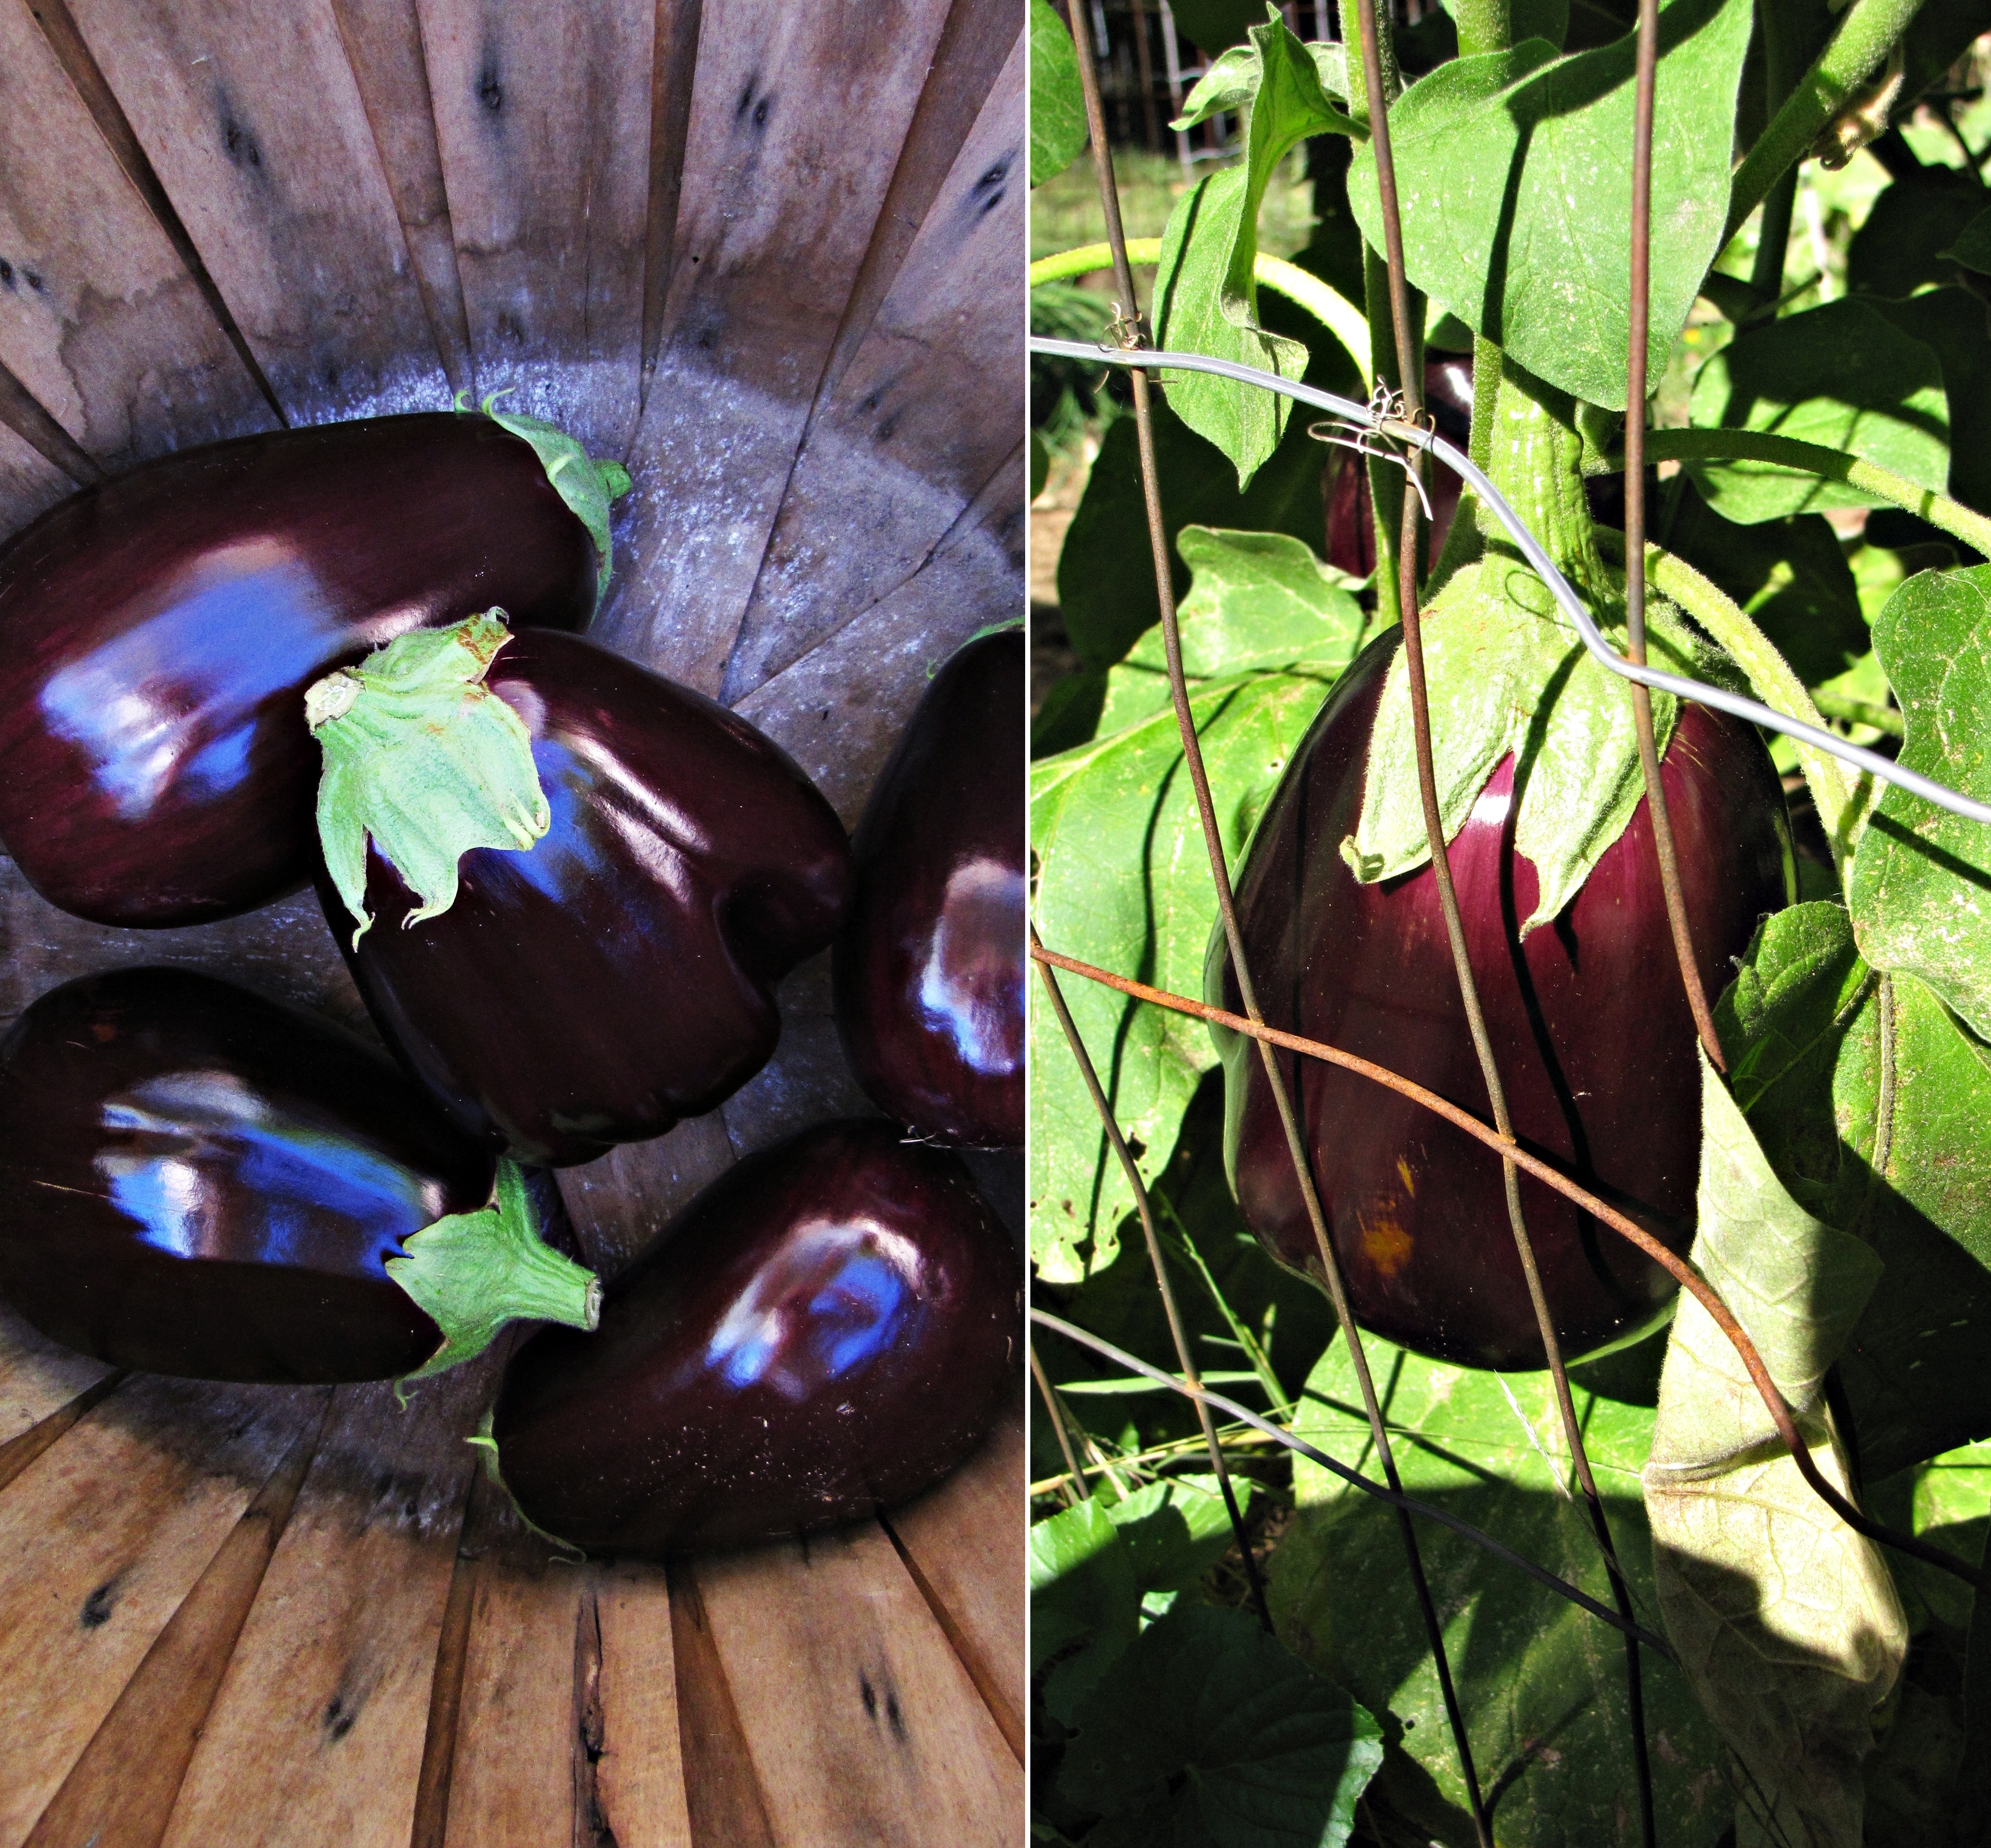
x=587, y=485
x=423, y=759
x=471, y=1273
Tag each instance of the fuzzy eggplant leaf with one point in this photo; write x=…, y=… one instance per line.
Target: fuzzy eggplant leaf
x=1123, y=881
x=1207, y=1733
x=1085, y=1604
x=1174, y=1530
x=1514, y=179
x=1541, y=1682
x=1785, y=1621
x=1869, y=1102
x=1057, y=105
x=1206, y=298
x=1972, y=246
x=1950, y=322
x=1506, y=675
x=1921, y=889
x=1842, y=377
x=1905, y=242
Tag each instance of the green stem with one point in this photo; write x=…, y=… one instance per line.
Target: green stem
x=1483, y=25
x=1839, y=807
x=1864, y=38
x=1334, y=311
x=1850, y=711
x=1185, y=1248
x=1958, y=521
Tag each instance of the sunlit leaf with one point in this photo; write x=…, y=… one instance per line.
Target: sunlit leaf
x=1057, y=105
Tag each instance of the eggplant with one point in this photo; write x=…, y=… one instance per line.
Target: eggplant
x=929, y=970
x=160, y=629
x=195, y=1180
x=1589, y=1021
x=609, y=970
x=827, y=1329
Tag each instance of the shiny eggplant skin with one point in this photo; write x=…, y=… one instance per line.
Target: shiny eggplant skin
x=160, y=630
x=929, y=970
x=618, y=976
x=195, y=1180
x=828, y=1329
x=1590, y=1027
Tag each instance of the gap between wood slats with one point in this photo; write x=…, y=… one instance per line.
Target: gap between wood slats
x=673, y=64
x=81, y=64
x=23, y=413
x=431, y=1826
x=17, y=1453
x=120, y=1792
x=721, y=1788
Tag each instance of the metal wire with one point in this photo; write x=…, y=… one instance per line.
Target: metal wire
x=1881, y=769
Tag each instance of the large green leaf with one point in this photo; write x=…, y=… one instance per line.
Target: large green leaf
x=1784, y=1618
x=1920, y=889
x=1085, y=1603
x=1057, y=105
x=1209, y=1734
x=1842, y=377
x=1870, y=1105
x=1951, y=322
x=1514, y=180
x=1904, y=244
x=1542, y=1682
x=1206, y=299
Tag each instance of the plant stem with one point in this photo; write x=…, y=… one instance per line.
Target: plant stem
x=1864, y=38
x=1958, y=521
x=1850, y=711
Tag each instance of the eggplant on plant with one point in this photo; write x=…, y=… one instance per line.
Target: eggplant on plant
x=160, y=630
x=195, y=1180
x=566, y=885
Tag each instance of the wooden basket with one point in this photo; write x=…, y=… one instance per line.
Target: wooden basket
x=771, y=256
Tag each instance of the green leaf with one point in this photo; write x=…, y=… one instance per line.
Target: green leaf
x=1125, y=803
x=1506, y=675
x=1951, y=323
x=1972, y=247
x=1206, y=301
x=1208, y=1734
x=1920, y=889
x=1514, y=179
x=1785, y=1619
x=1085, y=1605
x=1869, y=1104
x=1841, y=376
x=471, y=1273
x=1214, y=26
x=588, y=487
x=1175, y=1530
x=1904, y=242
x=1057, y=105
x=1541, y=1683
x=424, y=759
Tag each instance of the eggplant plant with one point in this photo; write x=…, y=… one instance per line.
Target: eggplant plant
x=1815, y=538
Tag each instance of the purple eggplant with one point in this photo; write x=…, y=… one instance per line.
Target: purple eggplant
x=160, y=631
x=827, y=1330
x=195, y=1180
x=1588, y=1018
x=612, y=973
x=929, y=970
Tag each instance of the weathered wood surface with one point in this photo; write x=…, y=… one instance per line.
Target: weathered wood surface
x=316, y=1733
x=99, y=319
x=543, y=117
x=253, y=120
x=100, y=1538
x=639, y=1775
x=37, y=1378
x=29, y=482
x=863, y=1726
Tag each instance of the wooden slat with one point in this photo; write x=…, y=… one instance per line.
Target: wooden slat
x=512, y=1780
x=253, y=120
x=964, y=1543
x=797, y=118
x=926, y=408
x=620, y=1203
x=37, y=1378
x=639, y=1777
x=383, y=44
x=864, y=1727
x=722, y=1789
x=122, y=1789
x=284, y=951
x=807, y=1079
x=543, y=114
x=99, y=319
x=316, y=1735
x=100, y=1541
x=30, y=483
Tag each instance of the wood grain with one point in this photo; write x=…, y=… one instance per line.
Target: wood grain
x=100, y=1541
x=863, y=1726
x=622, y=1204
x=122, y=1789
x=722, y=1790
x=316, y=1734
x=639, y=1772
x=920, y=414
x=543, y=114
x=797, y=118
x=99, y=318
x=253, y=120
x=30, y=483
x=38, y=1379
x=964, y=1543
